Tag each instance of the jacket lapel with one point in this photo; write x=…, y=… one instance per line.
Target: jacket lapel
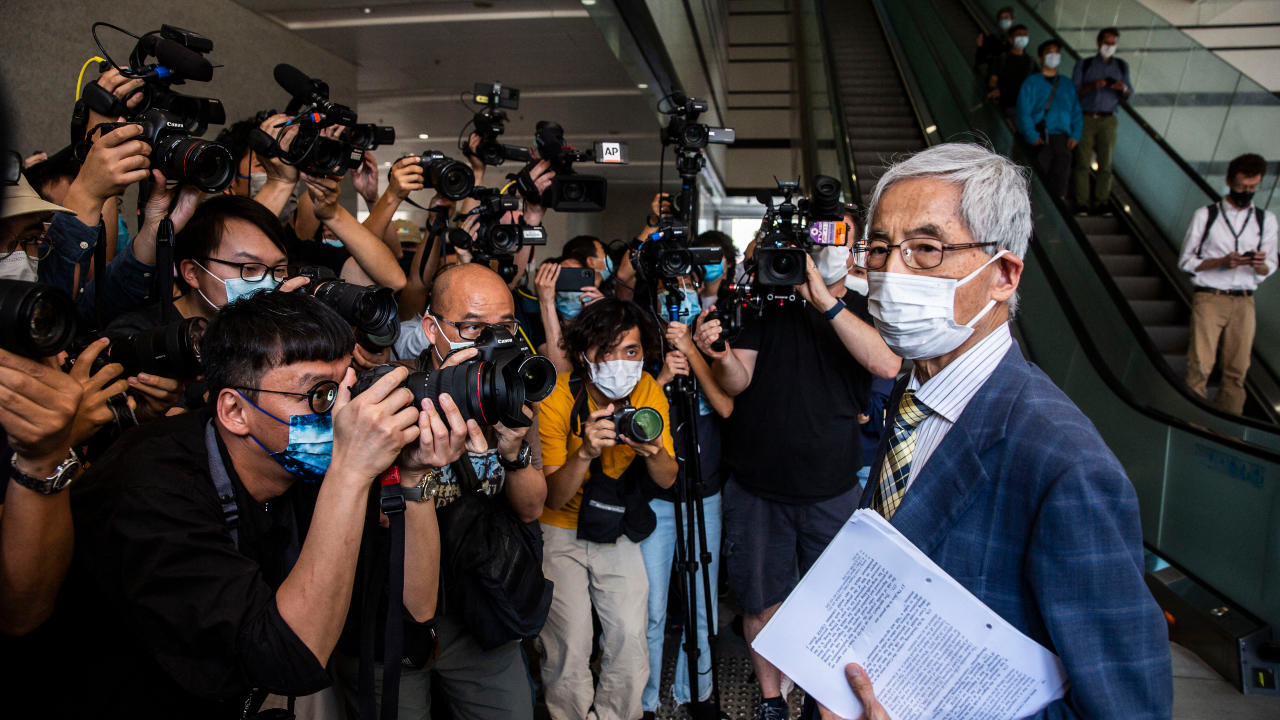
x=954, y=474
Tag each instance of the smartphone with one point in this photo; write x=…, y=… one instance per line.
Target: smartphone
x=829, y=232
x=574, y=279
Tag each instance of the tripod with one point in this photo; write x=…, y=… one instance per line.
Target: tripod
x=693, y=554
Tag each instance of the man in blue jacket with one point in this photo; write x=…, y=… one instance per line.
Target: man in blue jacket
x=1049, y=119
x=987, y=467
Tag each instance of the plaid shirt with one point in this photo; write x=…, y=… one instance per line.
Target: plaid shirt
x=1024, y=505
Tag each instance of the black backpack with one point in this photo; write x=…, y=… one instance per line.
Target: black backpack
x=1258, y=213
x=491, y=565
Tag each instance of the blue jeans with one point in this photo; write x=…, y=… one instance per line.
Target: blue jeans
x=659, y=552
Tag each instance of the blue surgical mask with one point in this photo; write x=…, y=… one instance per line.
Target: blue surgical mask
x=713, y=272
x=690, y=306
x=239, y=287
x=1021, y=41
x=569, y=303
x=310, y=445
x=1005, y=23
x=608, y=268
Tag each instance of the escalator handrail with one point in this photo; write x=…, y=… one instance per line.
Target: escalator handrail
x=908, y=82
x=843, y=144
x=1151, y=132
x=1080, y=329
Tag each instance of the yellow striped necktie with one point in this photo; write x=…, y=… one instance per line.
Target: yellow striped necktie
x=895, y=470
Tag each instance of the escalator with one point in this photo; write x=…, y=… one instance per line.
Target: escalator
x=869, y=86
x=1097, y=318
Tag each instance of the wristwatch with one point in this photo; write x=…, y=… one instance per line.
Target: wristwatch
x=425, y=489
x=523, y=458
x=57, y=482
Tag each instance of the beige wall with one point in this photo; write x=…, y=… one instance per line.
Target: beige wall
x=45, y=42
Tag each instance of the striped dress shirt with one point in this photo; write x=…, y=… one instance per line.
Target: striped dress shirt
x=948, y=392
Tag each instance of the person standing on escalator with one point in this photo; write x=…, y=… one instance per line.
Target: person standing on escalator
x=1229, y=249
x=1102, y=83
x=1048, y=118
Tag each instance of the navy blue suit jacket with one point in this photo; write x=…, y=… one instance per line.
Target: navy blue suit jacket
x=1024, y=505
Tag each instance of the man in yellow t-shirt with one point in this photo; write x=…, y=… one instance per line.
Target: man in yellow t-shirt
x=607, y=344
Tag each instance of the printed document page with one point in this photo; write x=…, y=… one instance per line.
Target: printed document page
x=932, y=649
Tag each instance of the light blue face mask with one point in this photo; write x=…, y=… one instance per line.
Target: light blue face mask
x=239, y=287
x=608, y=268
x=711, y=273
x=569, y=303
x=690, y=306
x=310, y=447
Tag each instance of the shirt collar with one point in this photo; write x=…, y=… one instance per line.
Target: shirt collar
x=948, y=392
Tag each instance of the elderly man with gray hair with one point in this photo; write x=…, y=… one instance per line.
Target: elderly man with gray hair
x=988, y=467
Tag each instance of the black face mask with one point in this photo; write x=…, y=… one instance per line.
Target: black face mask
x=1240, y=199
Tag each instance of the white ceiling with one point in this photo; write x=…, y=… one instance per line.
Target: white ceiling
x=415, y=60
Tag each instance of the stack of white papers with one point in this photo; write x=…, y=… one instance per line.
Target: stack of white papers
x=932, y=649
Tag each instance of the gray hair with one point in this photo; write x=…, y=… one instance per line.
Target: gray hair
x=994, y=202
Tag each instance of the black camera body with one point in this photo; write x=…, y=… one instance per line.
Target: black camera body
x=178, y=153
x=36, y=320
x=490, y=124
x=491, y=388
x=371, y=310
x=172, y=123
x=685, y=132
x=312, y=151
x=666, y=254
x=569, y=191
x=171, y=351
x=449, y=177
x=497, y=240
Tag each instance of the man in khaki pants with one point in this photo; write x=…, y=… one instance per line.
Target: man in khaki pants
x=1229, y=248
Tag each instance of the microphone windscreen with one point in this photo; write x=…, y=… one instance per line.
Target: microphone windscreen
x=183, y=62
x=294, y=81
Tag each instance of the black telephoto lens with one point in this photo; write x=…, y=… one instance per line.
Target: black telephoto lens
x=36, y=321
x=171, y=351
x=372, y=310
x=206, y=165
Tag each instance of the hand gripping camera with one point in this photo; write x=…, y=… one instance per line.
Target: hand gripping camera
x=313, y=150
x=494, y=238
x=491, y=388
x=490, y=122
x=171, y=122
x=569, y=191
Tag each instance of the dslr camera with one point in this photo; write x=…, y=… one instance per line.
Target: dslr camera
x=171, y=351
x=490, y=122
x=449, y=177
x=491, y=388
x=36, y=320
x=640, y=425
x=569, y=191
x=171, y=122
x=371, y=309
x=311, y=150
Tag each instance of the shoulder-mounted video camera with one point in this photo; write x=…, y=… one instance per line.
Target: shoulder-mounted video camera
x=313, y=150
x=490, y=123
x=794, y=226
x=171, y=122
x=569, y=191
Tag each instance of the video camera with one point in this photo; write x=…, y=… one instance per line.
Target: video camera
x=36, y=320
x=311, y=150
x=371, y=310
x=489, y=123
x=684, y=131
x=666, y=254
x=171, y=122
x=791, y=228
x=492, y=388
x=569, y=191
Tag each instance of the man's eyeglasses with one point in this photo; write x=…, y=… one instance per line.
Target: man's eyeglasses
x=471, y=329
x=34, y=244
x=917, y=253
x=253, y=271
x=320, y=397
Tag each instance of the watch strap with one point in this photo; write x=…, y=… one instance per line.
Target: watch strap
x=523, y=458
x=835, y=310
x=56, y=482
x=425, y=490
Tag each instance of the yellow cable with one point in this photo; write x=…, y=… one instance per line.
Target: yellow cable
x=83, y=68
x=527, y=341
x=503, y=191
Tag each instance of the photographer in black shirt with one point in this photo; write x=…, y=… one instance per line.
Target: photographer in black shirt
x=205, y=574
x=800, y=375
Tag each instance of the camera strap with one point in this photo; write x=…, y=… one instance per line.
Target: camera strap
x=164, y=268
x=99, y=272
x=392, y=503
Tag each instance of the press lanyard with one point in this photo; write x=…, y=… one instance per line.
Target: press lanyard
x=1234, y=233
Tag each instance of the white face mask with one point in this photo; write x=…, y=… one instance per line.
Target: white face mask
x=616, y=378
x=915, y=314
x=1052, y=60
x=1021, y=42
x=832, y=263
x=856, y=284
x=1106, y=51
x=1005, y=23
x=18, y=265
x=256, y=182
